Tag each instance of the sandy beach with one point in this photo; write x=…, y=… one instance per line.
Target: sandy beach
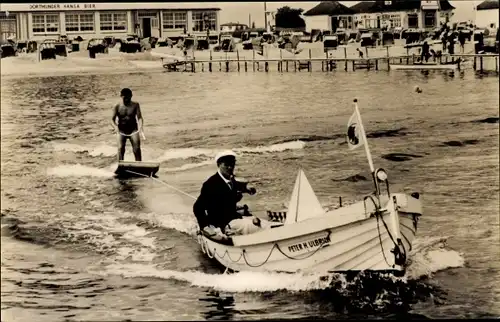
x=78, y=63
x=26, y=65
x=117, y=62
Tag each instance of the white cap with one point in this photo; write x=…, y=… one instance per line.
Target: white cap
x=225, y=153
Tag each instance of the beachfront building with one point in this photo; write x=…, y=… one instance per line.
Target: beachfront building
x=402, y=13
x=38, y=21
x=329, y=15
x=332, y=15
x=487, y=14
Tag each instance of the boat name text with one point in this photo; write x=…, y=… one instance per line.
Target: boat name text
x=309, y=244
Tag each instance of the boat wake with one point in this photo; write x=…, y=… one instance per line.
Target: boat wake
x=202, y=157
x=154, y=246
x=104, y=150
x=366, y=293
x=432, y=258
x=430, y=255
x=78, y=170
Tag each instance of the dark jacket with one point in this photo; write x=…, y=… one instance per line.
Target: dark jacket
x=216, y=204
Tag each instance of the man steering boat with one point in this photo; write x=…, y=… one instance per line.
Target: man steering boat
x=216, y=206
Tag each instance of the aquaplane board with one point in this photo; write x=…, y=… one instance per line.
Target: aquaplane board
x=137, y=169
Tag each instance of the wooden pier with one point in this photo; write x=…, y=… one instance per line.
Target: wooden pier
x=311, y=64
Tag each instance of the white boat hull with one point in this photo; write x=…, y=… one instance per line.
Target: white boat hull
x=345, y=239
x=423, y=67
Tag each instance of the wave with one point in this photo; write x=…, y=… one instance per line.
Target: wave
x=185, y=153
x=179, y=153
x=112, y=233
x=388, y=133
x=182, y=222
x=490, y=120
x=425, y=262
x=309, y=138
x=399, y=157
x=279, y=147
x=101, y=150
x=431, y=255
x=237, y=282
x=206, y=156
x=461, y=143
x=123, y=236
x=189, y=166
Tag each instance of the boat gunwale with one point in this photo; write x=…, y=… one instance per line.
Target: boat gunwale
x=246, y=240
x=230, y=242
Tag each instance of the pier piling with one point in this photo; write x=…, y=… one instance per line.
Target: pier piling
x=345, y=57
x=480, y=62
x=309, y=67
x=388, y=58
x=238, y=58
x=280, y=63
x=210, y=63
x=253, y=60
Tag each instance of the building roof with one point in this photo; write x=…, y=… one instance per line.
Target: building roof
x=395, y=5
x=363, y=6
x=488, y=4
x=329, y=8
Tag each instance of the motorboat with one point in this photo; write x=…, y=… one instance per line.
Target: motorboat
x=373, y=234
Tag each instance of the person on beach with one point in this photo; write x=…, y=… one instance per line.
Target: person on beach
x=127, y=121
x=216, y=207
x=425, y=52
x=461, y=39
x=360, y=53
x=451, y=43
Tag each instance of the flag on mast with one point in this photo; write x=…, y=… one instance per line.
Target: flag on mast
x=354, y=136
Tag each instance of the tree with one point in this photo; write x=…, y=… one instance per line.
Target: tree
x=287, y=17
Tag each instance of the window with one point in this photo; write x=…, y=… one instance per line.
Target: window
x=344, y=22
x=412, y=21
x=76, y=22
x=114, y=21
x=8, y=26
x=370, y=23
x=45, y=23
x=396, y=21
x=174, y=20
x=199, y=23
x=429, y=19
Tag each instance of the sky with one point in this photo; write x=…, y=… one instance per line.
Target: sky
x=239, y=11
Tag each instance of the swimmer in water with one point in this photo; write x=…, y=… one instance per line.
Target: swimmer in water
x=129, y=124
